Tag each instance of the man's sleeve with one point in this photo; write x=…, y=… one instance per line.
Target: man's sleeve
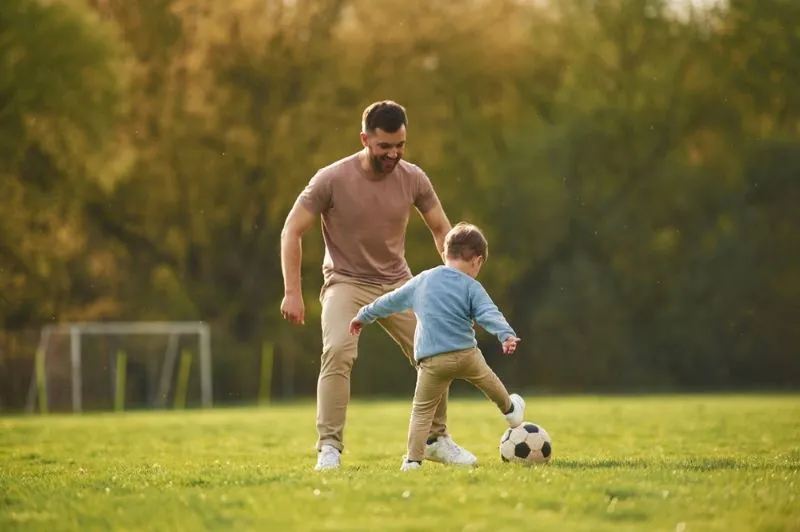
x=425, y=197
x=317, y=196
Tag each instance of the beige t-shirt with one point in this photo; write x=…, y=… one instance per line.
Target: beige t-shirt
x=364, y=218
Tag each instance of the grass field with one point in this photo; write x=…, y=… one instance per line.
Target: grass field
x=682, y=463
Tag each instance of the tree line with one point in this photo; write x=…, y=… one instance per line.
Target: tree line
x=634, y=163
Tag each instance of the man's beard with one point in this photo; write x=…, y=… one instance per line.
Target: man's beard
x=384, y=164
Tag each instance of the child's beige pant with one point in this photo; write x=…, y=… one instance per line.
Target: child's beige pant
x=341, y=298
x=434, y=376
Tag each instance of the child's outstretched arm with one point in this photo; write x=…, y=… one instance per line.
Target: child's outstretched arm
x=491, y=319
x=397, y=300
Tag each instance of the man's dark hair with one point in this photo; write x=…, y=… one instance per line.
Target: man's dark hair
x=386, y=115
x=465, y=241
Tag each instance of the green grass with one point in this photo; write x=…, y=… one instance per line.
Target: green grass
x=693, y=463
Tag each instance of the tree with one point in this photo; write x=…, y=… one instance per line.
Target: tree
x=58, y=106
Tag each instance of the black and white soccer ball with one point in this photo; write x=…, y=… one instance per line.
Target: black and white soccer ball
x=528, y=443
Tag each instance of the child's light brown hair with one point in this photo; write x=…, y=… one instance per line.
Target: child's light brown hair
x=465, y=241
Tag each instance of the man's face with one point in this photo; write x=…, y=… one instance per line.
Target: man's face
x=385, y=149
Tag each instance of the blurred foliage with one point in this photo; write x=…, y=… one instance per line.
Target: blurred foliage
x=635, y=164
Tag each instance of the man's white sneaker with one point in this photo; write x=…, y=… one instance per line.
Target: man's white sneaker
x=410, y=466
x=517, y=415
x=328, y=457
x=444, y=450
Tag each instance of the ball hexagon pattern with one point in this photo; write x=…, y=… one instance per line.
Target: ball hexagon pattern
x=528, y=443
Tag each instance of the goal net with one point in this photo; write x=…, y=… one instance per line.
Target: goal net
x=100, y=365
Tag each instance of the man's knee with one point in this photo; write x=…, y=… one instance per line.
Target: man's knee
x=339, y=355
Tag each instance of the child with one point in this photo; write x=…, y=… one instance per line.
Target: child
x=446, y=300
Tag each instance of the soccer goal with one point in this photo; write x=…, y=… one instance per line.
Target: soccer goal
x=108, y=363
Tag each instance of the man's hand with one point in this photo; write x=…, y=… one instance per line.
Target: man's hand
x=510, y=345
x=293, y=309
x=355, y=327
x=297, y=222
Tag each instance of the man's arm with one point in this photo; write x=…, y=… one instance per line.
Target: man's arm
x=438, y=224
x=297, y=223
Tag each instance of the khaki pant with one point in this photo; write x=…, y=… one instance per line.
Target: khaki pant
x=434, y=376
x=341, y=299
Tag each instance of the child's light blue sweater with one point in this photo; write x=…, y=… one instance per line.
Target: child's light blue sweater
x=445, y=301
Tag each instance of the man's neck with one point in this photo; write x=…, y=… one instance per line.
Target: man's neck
x=366, y=164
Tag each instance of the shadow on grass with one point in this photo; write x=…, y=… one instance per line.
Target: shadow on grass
x=603, y=464
x=692, y=464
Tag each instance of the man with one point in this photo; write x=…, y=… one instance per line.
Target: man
x=364, y=201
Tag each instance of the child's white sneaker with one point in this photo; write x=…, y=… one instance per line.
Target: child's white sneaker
x=410, y=466
x=517, y=414
x=447, y=451
x=328, y=457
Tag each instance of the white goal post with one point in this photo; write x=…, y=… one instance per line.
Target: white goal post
x=77, y=331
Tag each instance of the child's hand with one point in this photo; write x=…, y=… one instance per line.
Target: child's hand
x=510, y=345
x=355, y=327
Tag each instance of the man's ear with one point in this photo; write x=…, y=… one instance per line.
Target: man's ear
x=363, y=139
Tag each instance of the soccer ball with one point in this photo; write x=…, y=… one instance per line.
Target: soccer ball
x=528, y=443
